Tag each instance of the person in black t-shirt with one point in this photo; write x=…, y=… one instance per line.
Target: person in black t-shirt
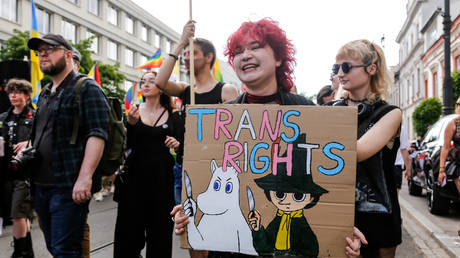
x=208, y=90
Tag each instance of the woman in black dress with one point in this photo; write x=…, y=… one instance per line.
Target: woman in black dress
x=145, y=192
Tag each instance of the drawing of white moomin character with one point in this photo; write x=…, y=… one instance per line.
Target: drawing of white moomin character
x=222, y=226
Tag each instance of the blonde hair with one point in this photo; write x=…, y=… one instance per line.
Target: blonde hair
x=369, y=53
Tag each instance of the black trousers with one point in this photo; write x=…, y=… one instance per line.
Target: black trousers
x=139, y=223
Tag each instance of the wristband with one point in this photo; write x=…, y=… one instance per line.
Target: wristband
x=173, y=56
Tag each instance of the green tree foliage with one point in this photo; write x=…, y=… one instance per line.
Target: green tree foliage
x=456, y=86
x=111, y=78
x=16, y=47
x=426, y=114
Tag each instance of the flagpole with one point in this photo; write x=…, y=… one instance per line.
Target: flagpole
x=192, y=64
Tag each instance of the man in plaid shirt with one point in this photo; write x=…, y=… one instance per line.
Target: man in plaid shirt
x=64, y=172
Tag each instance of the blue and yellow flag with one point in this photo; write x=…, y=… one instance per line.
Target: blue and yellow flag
x=35, y=73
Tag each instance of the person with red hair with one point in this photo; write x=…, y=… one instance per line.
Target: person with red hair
x=263, y=59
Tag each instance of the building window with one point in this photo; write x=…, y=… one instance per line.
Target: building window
x=432, y=35
x=168, y=46
x=43, y=21
x=157, y=41
x=142, y=60
x=69, y=31
x=408, y=93
x=144, y=33
x=112, y=50
x=418, y=82
x=426, y=88
x=435, y=84
x=129, y=57
x=73, y=1
x=112, y=15
x=129, y=25
x=95, y=44
x=93, y=7
x=8, y=9
x=457, y=63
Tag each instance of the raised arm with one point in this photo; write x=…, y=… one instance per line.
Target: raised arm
x=379, y=135
x=162, y=79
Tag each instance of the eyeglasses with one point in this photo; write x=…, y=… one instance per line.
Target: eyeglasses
x=47, y=50
x=151, y=81
x=457, y=104
x=346, y=67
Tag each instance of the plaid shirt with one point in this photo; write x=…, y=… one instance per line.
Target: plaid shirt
x=94, y=121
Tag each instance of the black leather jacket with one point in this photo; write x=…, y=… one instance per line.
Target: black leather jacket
x=15, y=131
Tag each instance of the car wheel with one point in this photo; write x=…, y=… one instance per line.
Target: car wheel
x=436, y=203
x=414, y=189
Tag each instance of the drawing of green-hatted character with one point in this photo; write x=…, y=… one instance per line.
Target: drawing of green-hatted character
x=289, y=232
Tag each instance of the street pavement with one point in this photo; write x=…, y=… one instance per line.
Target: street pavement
x=418, y=241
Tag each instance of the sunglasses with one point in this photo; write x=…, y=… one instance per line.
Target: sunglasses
x=346, y=67
x=457, y=104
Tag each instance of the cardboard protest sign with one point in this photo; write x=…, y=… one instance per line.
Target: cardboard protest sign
x=269, y=179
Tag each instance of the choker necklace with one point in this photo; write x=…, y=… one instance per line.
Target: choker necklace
x=356, y=100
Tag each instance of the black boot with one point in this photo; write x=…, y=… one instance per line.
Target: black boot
x=29, y=246
x=21, y=249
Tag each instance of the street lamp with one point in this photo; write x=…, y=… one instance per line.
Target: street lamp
x=447, y=87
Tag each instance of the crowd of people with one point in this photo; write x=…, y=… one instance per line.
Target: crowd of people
x=64, y=174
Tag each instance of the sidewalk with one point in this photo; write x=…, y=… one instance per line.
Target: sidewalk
x=429, y=238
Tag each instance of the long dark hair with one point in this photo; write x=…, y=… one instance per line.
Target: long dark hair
x=165, y=100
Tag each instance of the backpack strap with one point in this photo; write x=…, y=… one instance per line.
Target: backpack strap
x=377, y=114
x=76, y=101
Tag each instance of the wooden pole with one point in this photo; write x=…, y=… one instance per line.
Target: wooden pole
x=192, y=64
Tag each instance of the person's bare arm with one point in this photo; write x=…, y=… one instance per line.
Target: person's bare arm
x=229, y=92
x=93, y=153
x=162, y=79
x=448, y=133
x=406, y=159
x=379, y=135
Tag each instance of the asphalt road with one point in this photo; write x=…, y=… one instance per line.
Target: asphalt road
x=102, y=222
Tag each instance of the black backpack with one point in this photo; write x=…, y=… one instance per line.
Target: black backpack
x=115, y=145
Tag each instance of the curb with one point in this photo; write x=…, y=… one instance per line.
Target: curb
x=429, y=227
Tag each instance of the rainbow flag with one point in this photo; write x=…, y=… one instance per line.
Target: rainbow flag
x=94, y=73
x=154, y=61
x=216, y=72
x=129, y=97
x=35, y=73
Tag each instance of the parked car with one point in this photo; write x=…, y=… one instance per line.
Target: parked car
x=426, y=169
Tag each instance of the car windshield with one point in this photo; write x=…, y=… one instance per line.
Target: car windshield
x=436, y=132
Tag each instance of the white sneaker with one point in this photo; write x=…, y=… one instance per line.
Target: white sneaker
x=105, y=192
x=98, y=196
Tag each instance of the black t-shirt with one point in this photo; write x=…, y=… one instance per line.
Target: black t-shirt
x=43, y=140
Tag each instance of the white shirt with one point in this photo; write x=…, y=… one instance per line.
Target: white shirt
x=404, y=144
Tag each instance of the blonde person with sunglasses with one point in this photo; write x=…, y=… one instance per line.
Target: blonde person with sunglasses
x=363, y=75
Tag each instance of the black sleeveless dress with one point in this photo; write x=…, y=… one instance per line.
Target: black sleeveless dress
x=146, y=196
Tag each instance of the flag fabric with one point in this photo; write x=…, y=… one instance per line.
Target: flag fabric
x=94, y=73
x=175, y=75
x=216, y=72
x=35, y=73
x=129, y=97
x=154, y=61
